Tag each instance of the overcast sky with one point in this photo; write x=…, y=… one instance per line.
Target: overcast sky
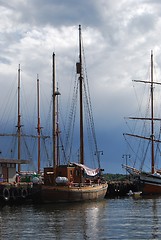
x=118, y=37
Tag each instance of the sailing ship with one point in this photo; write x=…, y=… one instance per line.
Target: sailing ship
x=71, y=182
x=148, y=182
x=13, y=184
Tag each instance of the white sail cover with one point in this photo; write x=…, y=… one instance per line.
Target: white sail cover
x=88, y=171
x=131, y=170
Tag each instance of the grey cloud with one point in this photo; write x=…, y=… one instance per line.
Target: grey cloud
x=142, y=24
x=4, y=60
x=56, y=13
x=119, y=42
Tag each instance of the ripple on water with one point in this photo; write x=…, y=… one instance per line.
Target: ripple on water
x=125, y=218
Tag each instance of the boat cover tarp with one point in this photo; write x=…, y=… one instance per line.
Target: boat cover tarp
x=131, y=170
x=88, y=171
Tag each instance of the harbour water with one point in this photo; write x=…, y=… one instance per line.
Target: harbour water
x=119, y=218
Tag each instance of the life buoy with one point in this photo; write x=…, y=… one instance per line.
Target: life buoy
x=6, y=194
x=14, y=193
x=24, y=193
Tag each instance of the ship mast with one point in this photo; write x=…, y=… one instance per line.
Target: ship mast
x=54, y=116
x=38, y=123
x=79, y=71
x=57, y=93
x=19, y=122
x=55, y=134
x=152, y=117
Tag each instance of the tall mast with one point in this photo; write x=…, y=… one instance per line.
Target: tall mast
x=55, y=119
x=152, y=116
x=54, y=116
x=38, y=124
x=152, y=119
x=79, y=71
x=19, y=122
x=57, y=93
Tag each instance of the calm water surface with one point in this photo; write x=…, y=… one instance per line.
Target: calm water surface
x=124, y=218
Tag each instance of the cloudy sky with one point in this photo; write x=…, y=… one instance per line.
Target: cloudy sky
x=118, y=37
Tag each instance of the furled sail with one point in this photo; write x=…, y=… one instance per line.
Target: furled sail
x=88, y=171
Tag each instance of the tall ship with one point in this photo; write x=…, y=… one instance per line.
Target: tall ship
x=72, y=181
x=14, y=185
x=149, y=182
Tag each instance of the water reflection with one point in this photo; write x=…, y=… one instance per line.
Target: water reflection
x=155, y=219
x=78, y=220
x=62, y=221
x=126, y=219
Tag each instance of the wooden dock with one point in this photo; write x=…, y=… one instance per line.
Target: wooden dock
x=15, y=193
x=121, y=188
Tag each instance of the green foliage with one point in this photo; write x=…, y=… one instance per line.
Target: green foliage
x=114, y=177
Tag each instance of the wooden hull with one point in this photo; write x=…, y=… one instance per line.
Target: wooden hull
x=58, y=194
x=150, y=184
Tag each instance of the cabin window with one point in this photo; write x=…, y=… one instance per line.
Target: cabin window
x=71, y=172
x=77, y=173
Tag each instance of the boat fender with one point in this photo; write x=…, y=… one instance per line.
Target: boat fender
x=35, y=180
x=61, y=180
x=24, y=193
x=14, y=193
x=6, y=194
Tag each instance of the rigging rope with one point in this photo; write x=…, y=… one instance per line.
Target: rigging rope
x=90, y=114
x=71, y=122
